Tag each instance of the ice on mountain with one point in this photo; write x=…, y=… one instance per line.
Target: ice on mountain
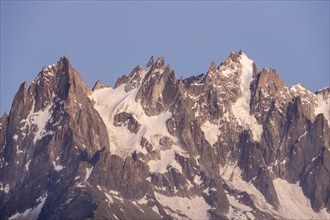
x=155, y=209
x=115, y=216
x=31, y=213
x=79, y=185
x=237, y=214
x=108, y=196
x=211, y=132
x=241, y=108
x=110, y=102
x=198, y=180
x=18, y=151
x=167, y=158
x=4, y=188
x=38, y=119
x=27, y=165
x=194, y=207
x=15, y=137
x=143, y=201
x=228, y=70
x=176, y=166
x=88, y=172
x=57, y=167
x=231, y=174
x=298, y=88
x=41, y=118
x=294, y=204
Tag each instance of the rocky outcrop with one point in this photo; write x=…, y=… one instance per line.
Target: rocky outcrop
x=128, y=120
x=159, y=89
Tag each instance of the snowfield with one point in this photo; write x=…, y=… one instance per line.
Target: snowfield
x=110, y=102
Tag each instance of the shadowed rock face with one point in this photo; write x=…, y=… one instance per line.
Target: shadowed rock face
x=209, y=146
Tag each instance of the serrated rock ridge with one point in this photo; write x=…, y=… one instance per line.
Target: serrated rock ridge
x=231, y=143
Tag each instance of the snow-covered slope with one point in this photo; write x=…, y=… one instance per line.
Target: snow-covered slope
x=241, y=108
x=111, y=102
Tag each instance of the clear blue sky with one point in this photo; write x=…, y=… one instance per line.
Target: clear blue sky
x=106, y=39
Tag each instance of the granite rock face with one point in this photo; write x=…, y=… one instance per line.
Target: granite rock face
x=233, y=143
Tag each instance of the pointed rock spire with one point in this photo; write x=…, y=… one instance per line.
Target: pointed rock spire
x=64, y=63
x=240, y=52
x=160, y=63
x=212, y=67
x=150, y=62
x=233, y=57
x=22, y=92
x=137, y=70
x=64, y=60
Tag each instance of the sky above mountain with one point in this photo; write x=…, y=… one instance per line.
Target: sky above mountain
x=106, y=39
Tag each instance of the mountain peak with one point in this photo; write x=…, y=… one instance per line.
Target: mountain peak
x=243, y=55
x=160, y=63
x=64, y=64
x=64, y=59
x=150, y=62
x=325, y=90
x=212, y=67
x=240, y=52
x=234, y=58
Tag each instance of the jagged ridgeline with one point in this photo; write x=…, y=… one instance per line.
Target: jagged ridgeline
x=233, y=143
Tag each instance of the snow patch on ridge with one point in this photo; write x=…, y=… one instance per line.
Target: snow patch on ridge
x=57, y=167
x=15, y=137
x=38, y=119
x=241, y=108
x=27, y=165
x=198, y=180
x=5, y=189
x=321, y=102
x=110, y=200
x=211, y=132
x=88, y=172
